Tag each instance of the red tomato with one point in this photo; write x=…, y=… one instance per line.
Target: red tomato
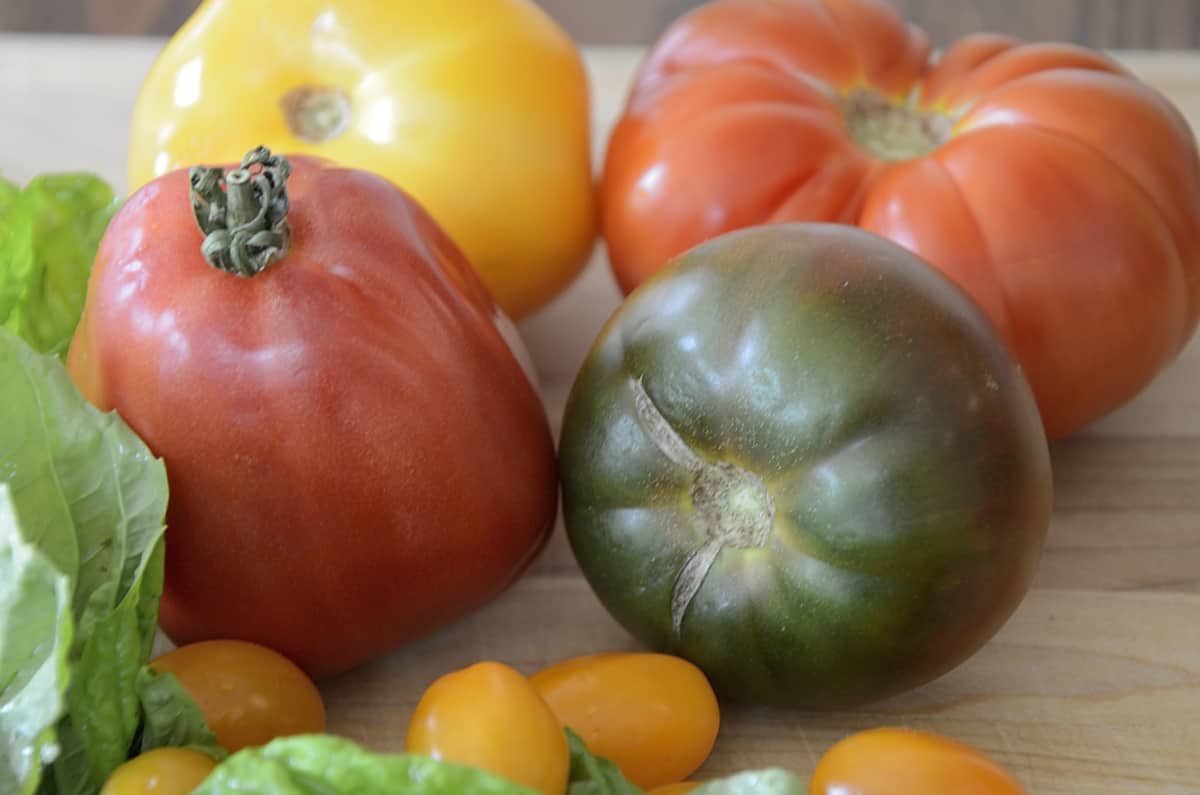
x=355, y=455
x=654, y=715
x=1059, y=191
x=249, y=694
x=893, y=761
x=489, y=716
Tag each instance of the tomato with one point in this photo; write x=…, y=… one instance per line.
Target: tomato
x=249, y=694
x=1044, y=179
x=489, y=716
x=163, y=771
x=675, y=789
x=479, y=109
x=804, y=460
x=354, y=453
x=895, y=761
x=653, y=715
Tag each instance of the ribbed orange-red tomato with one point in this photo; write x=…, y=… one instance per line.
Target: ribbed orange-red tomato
x=654, y=715
x=896, y=761
x=1059, y=191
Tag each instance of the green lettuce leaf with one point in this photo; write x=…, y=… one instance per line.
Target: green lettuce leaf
x=171, y=717
x=49, y=233
x=323, y=764
x=92, y=499
x=594, y=775
x=35, y=635
x=769, y=781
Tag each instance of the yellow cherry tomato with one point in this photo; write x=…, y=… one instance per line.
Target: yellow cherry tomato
x=163, y=771
x=478, y=108
x=654, y=715
x=248, y=693
x=896, y=761
x=489, y=716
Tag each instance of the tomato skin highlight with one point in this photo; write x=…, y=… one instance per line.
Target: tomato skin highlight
x=163, y=771
x=355, y=455
x=896, y=761
x=249, y=695
x=489, y=716
x=1045, y=179
x=654, y=715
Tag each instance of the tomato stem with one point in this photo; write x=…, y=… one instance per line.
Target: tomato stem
x=243, y=213
x=893, y=131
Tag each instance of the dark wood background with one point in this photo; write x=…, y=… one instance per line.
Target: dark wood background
x=1137, y=24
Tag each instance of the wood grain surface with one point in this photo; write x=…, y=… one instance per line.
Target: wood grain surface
x=1144, y=24
x=1093, y=688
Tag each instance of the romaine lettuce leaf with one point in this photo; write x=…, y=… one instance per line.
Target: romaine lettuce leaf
x=323, y=764
x=768, y=781
x=49, y=233
x=92, y=502
x=35, y=614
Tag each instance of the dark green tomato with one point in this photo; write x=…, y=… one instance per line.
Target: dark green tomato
x=802, y=459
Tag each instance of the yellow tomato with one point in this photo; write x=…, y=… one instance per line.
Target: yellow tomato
x=478, y=108
x=654, y=715
x=897, y=761
x=165, y=771
x=489, y=716
x=675, y=789
x=248, y=694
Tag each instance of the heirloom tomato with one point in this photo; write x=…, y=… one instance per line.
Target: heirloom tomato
x=489, y=716
x=355, y=455
x=895, y=761
x=1059, y=191
x=477, y=108
x=653, y=715
x=804, y=460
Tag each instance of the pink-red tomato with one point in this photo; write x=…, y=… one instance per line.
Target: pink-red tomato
x=654, y=715
x=489, y=716
x=895, y=761
x=249, y=694
x=163, y=771
x=354, y=452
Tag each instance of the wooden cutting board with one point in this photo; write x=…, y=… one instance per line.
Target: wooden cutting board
x=1092, y=688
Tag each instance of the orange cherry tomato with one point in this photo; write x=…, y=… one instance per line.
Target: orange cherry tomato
x=248, y=693
x=894, y=761
x=489, y=716
x=163, y=771
x=675, y=789
x=654, y=715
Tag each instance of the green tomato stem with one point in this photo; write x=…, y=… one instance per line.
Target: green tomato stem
x=242, y=214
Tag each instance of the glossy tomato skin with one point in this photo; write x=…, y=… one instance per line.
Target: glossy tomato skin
x=478, y=108
x=488, y=715
x=248, y=694
x=805, y=461
x=654, y=715
x=1059, y=191
x=897, y=761
x=355, y=455
x=163, y=771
